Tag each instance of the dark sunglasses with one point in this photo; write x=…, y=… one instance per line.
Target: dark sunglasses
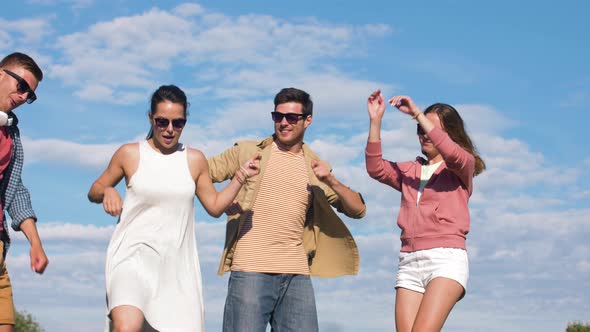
x=23, y=87
x=419, y=130
x=292, y=118
x=162, y=123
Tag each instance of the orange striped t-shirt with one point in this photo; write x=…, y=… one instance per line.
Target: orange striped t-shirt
x=271, y=239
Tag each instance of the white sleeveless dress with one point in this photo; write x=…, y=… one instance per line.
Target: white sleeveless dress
x=152, y=260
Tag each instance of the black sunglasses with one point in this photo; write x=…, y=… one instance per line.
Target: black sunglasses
x=23, y=87
x=177, y=124
x=292, y=118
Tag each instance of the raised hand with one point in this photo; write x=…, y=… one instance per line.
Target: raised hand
x=376, y=105
x=405, y=104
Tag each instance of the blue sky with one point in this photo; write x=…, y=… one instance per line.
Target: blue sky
x=517, y=72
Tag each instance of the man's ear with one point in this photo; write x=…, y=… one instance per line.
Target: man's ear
x=308, y=121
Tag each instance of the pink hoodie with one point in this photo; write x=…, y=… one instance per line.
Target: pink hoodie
x=441, y=218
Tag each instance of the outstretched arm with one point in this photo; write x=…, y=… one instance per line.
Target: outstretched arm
x=215, y=202
x=103, y=189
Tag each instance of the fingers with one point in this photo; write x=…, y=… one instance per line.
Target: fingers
x=40, y=265
x=396, y=101
x=252, y=166
x=376, y=97
x=39, y=260
x=112, y=206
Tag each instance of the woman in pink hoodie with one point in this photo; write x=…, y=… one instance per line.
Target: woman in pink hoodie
x=433, y=216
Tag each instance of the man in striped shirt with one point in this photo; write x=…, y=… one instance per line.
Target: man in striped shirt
x=19, y=77
x=282, y=229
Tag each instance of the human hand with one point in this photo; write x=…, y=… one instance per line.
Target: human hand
x=112, y=202
x=376, y=105
x=252, y=166
x=322, y=172
x=405, y=104
x=39, y=260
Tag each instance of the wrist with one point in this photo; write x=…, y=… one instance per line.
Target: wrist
x=416, y=115
x=376, y=121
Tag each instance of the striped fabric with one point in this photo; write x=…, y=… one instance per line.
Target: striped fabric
x=271, y=239
x=15, y=197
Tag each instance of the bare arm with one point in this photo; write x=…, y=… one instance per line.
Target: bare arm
x=39, y=260
x=103, y=189
x=351, y=201
x=215, y=202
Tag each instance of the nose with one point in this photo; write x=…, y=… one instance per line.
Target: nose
x=22, y=96
x=170, y=127
x=284, y=121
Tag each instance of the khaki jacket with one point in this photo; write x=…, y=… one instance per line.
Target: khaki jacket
x=330, y=248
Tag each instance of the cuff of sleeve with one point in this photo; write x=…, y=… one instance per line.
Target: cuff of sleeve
x=17, y=221
x=373, y=148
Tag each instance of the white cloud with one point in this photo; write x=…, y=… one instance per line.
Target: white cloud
x=483, y=118
x=71, y=153
x=28, y=31
x=137, y=48
x=189, y=9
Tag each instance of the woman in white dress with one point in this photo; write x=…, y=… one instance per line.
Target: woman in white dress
x=153, y=278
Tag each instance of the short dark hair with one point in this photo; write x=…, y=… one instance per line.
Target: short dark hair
x=287, y=95
x=22, y=60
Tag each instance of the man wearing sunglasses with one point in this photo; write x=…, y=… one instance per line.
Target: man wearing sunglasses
x=282, y=229
x=19, y=77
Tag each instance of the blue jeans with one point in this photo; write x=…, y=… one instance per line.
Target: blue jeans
x=254, y=299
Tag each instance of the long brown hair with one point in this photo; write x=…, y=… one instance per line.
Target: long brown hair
x=453, y=125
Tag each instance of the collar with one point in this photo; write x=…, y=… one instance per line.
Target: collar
x=12, y=120
x=266, y=142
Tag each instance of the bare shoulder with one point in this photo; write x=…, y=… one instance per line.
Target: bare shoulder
x=127, y=155
x=195, y=155
x=197, y=161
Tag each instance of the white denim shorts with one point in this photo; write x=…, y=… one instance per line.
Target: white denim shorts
x=418, y=268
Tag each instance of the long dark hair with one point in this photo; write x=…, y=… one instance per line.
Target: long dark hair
x=454, y=126
x=171, y=93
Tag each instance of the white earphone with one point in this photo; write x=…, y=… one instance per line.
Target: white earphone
x=4, y=120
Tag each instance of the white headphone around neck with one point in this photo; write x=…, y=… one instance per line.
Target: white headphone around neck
x=4, y=120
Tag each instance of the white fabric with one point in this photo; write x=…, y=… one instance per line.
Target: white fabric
x=425, y=175
x=152, y=260
x=418, y=268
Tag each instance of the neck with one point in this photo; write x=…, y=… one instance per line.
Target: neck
x=294, y=148
x=162, y=149
x=434, y=159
